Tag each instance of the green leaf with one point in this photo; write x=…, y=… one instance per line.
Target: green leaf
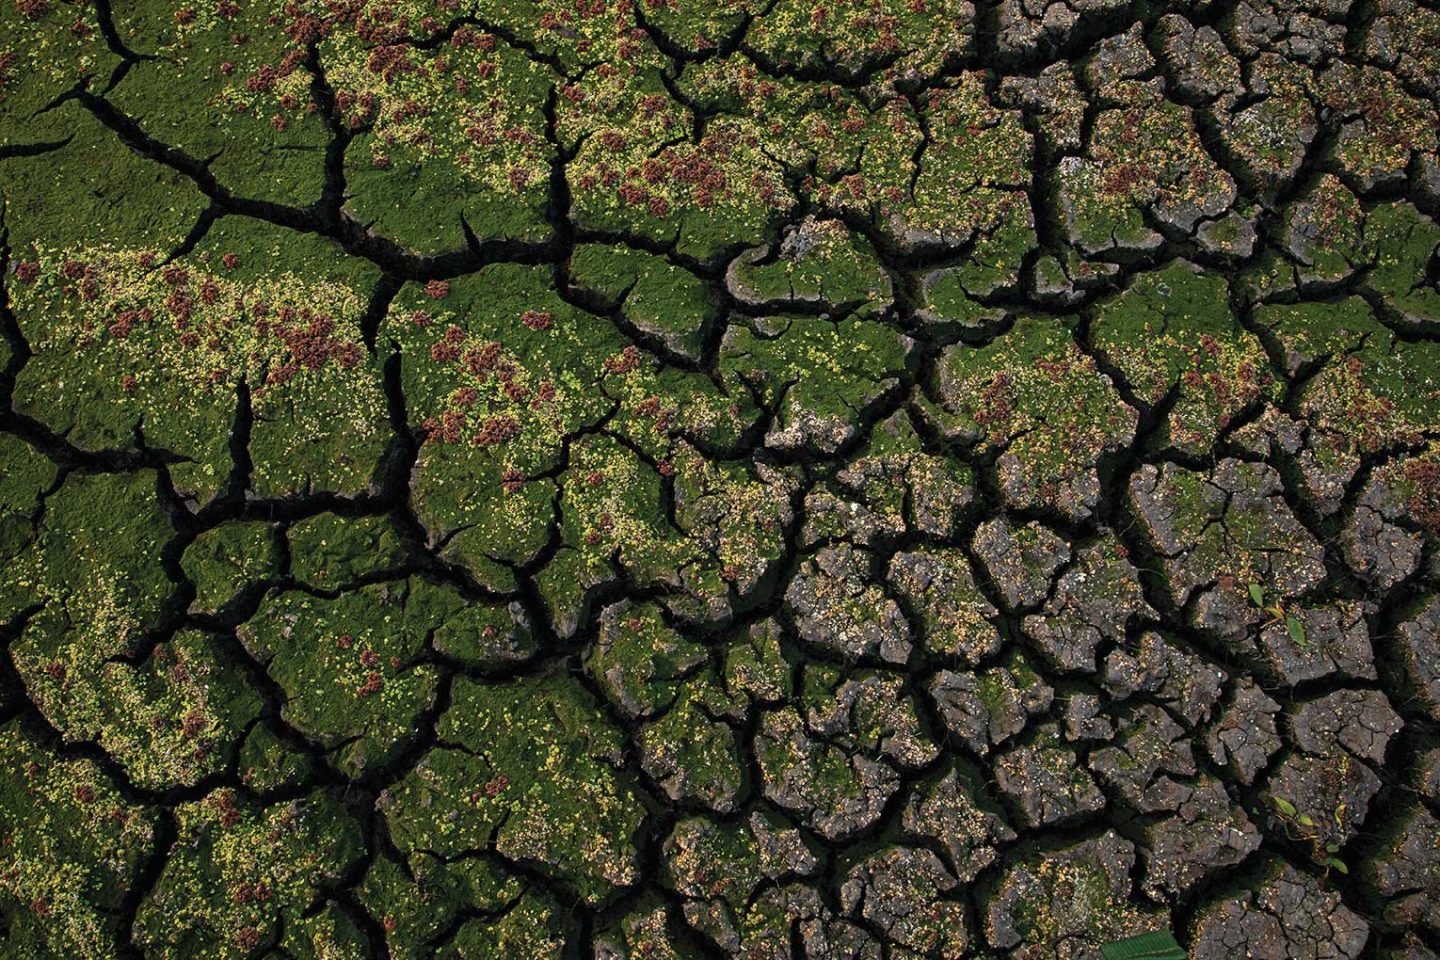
x=1337, y=864
x=1296, y=630
x=1284, y=806
x=1257, y=594
x=1157, y=945
x=1306, y=821
x=1332, y=848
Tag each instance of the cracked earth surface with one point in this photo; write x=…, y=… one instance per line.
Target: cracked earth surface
x=751, y=478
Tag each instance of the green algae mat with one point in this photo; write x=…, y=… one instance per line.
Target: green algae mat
x=706, y=479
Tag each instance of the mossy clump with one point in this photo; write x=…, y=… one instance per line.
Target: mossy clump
x=73, y=847
x=353, y=668
x=527, y=771
x=174, y=352
x=243, y=874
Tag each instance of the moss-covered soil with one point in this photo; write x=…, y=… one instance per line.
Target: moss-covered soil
x=757, y=479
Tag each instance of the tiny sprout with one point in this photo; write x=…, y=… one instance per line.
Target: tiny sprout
x=1278, y=613
x=1296, y=629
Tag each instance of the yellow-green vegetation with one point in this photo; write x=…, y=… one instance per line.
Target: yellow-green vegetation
x=698, y=479
x=73, y=846
x=526, y=772
x=166, y=346
x=245, y=875
x=351, y=668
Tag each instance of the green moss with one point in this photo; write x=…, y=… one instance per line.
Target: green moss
x=327, y=934
x=134, y=205
x=644, y=662
x=1319, y=332
x=220, y=562
x=1173, y=330
x=924, y=36
x=351, y=667
x=329, y=551
x=821, y=261
x=269, y=763
x=659, y=298
x=947, y=301
x=169, y=721
x=532, y=775
x=1371, y=388
x=125, y=347
x=696, y=758
x=755, y=666
x=73, y=846
x=1326, y=229
x=420, y=205
x=1146, y=152
x=534, y=927
x=177, y=101
x=416, y=902
x=831, y=782
x=643, y=541
x=1405, y=243
x=94, y=567
x=1033, y=396
x=824, y=368
x=646, y=932
x=26, y=477
x=241, y=874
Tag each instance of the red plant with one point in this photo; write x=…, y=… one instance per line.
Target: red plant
x=536, y=319
x=481, y=361
x=515, y=390
x=192, y=723
x=451, y=421
x=627, y=362
x=1424, y=502
x=995, y=399
x=497, y=430
x=632, y=193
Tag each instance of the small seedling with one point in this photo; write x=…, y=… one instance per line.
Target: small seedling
x=1278, y=614
x=1320, y=837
